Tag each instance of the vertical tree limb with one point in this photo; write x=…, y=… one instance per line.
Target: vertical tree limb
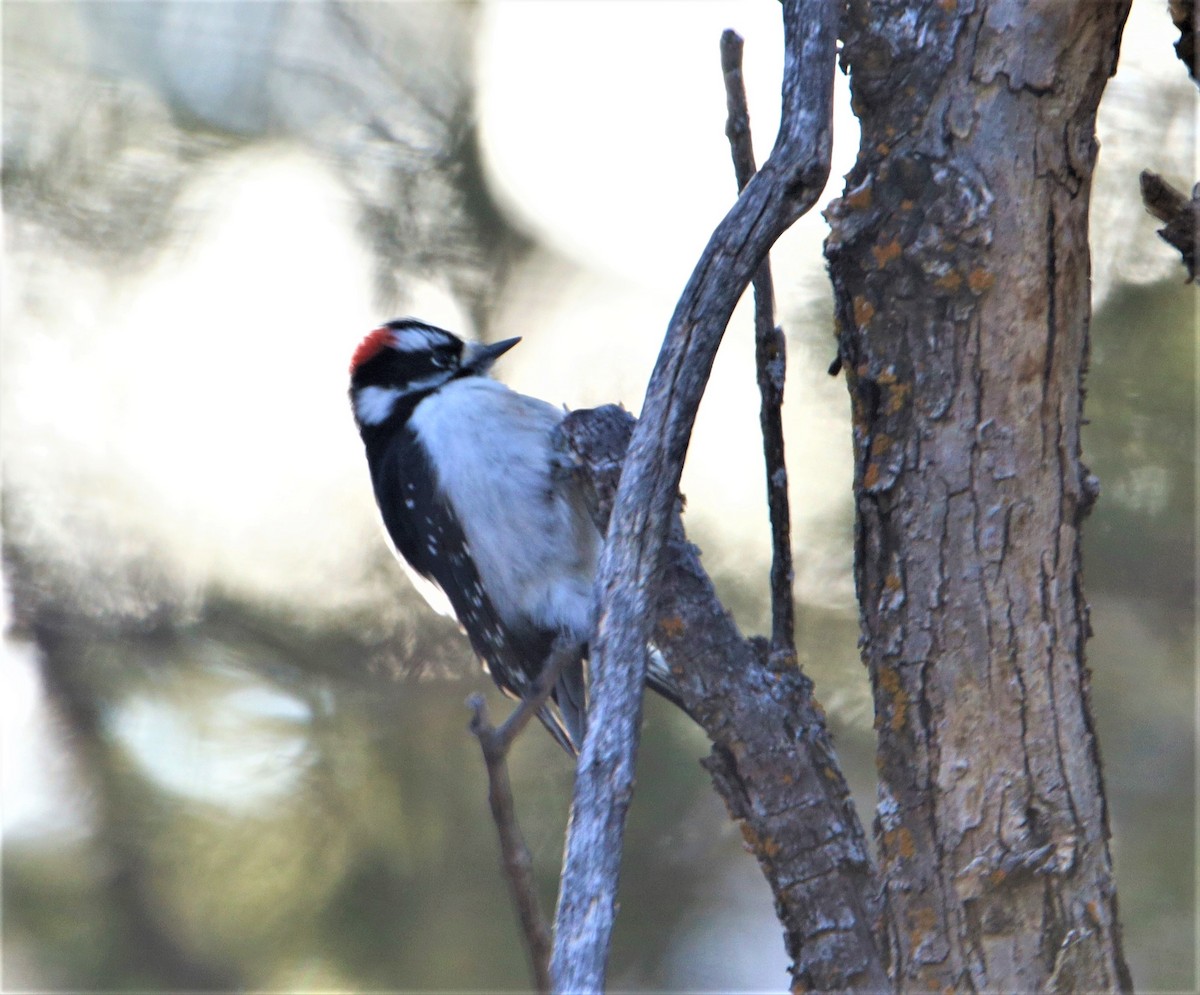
x=770, y=357
x=786, y=187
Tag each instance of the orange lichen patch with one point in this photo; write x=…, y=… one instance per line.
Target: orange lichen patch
x=891, y=583
x=759, y=845
x=980, y=280
x=831, y=775
x=881, y=444
x=889, y=680
x=1093, y=911
x=921, y=922
x=883, y=148
x=859, y=199
x=951, y=281
x=671, y=627
x=887, y=378
x=864, y=310
x=899, y=843
x=997, y=877
x=884, y=254
x=906, y=204
x=871, y=476
x=949, y=6
x=897, y=398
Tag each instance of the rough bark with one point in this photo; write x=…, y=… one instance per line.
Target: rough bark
x=772, y=759
x=959, y=256
x=787, y=186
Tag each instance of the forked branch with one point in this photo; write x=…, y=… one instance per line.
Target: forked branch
x=772, y=759
x=787, y=186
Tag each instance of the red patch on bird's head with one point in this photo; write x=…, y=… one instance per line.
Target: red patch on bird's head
x=371, y=346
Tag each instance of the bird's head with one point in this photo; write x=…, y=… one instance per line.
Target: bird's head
x=408, y=359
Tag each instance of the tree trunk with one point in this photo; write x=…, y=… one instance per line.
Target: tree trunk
x=959, y=257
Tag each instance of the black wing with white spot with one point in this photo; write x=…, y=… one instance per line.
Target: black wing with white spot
x=427, y=534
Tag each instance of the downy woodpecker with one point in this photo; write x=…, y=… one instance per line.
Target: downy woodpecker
x=462, y=469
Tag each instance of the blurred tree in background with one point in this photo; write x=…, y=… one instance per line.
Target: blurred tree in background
x=234, y=741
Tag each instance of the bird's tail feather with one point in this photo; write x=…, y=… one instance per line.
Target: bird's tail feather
x=570, y=693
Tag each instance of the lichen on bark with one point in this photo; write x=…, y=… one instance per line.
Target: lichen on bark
x=959, y=259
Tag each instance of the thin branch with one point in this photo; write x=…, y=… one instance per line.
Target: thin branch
x=495, y=743
x=787, y=186
x=770, y=357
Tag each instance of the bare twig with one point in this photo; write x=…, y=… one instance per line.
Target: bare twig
x=495, y=743
x=770, y=357
x=1182, y=216
x=787, y=186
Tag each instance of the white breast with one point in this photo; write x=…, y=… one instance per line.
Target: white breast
x=532, y=542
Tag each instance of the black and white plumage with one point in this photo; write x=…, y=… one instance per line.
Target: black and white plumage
x=463, y=472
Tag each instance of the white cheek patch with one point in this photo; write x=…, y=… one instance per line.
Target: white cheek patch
x=372, y=405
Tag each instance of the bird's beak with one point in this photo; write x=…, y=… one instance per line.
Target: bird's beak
x=478, y=358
